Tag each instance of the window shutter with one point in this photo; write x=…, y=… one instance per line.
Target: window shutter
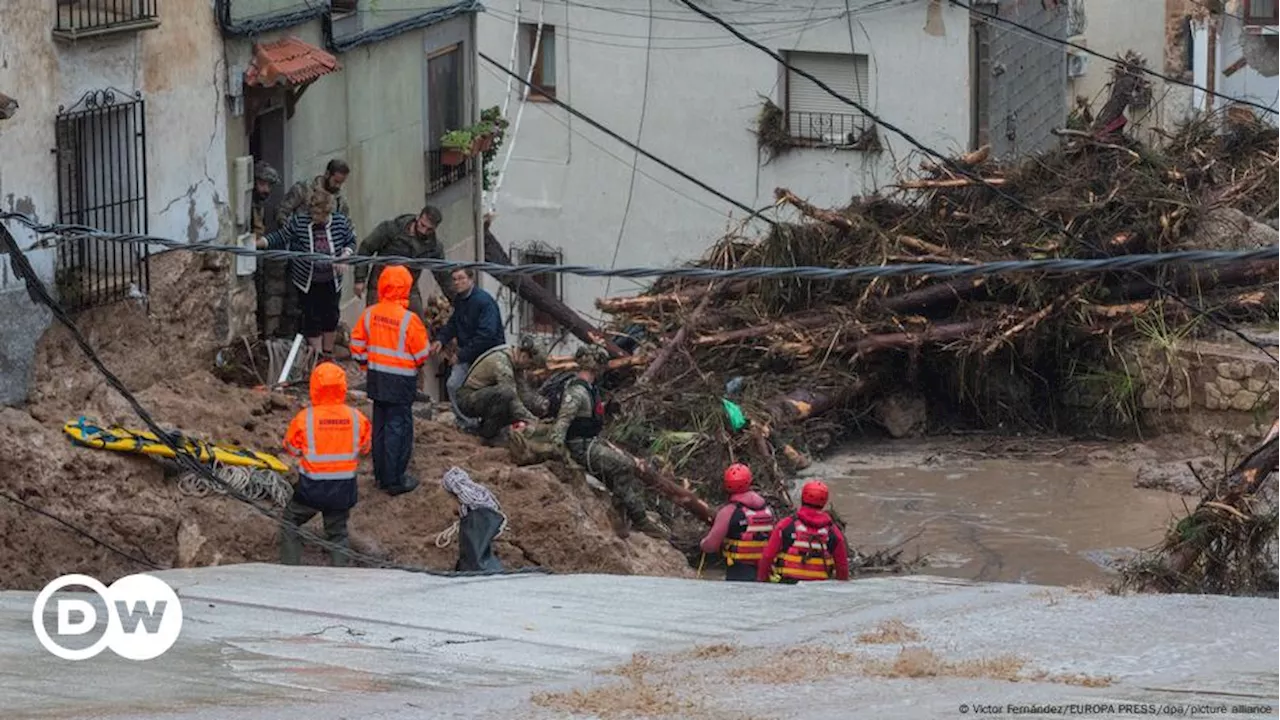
x=844, y=73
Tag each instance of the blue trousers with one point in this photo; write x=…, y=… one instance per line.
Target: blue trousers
x=392, y=443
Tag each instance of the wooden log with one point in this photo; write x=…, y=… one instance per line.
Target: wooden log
x=566, y=362
x=1188, y=279
x=933, y=294
x=931, y=334
x=539, y=297
x=1253, y=468
x=665, y=353
x=794, y=322
x=652, y=303
x=676, y=491
x=945, y=184
x=829, y=217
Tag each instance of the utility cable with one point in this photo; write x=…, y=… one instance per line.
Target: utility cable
x=950, y=163
x=524, y=101
x=593, y=123
x=635, y=160
x=80, y=531
x=22, y=268
x=1117, y=61
x=1117, y=263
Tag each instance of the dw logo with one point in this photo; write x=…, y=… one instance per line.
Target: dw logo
x=144, y=617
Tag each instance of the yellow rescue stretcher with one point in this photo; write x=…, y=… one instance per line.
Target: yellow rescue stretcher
x=85, y=433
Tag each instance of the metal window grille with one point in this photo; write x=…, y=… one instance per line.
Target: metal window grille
x=1261, y=13
x=102, y=183
x=535, y=253
x=813, y=115
x=440, y=175
x=445, y=112
x=77, y=16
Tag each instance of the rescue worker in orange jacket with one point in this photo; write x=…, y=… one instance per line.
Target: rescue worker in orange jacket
x=391, y=342
x=328, y=439
x=807, y=545
x=742, y=526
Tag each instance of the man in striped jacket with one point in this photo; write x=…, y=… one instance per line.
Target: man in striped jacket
x=391, y=342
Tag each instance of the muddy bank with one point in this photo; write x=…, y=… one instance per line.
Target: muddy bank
x=556, y=519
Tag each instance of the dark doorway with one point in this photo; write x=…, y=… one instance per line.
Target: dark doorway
x=266, y=142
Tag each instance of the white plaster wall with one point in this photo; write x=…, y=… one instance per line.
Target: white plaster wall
x=176, y=66
x=567, y=182
x=1246, y=83
x=1114, y=28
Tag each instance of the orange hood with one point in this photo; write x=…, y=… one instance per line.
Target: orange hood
x=328, y=385
x=394, y=284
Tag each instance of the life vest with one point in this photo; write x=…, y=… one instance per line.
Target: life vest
x=748, y=533
x=586, y=426
x=332, y=449
x=805, y=554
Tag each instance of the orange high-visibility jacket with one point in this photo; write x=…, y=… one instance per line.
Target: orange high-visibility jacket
x=389, y=338
x=329, y=437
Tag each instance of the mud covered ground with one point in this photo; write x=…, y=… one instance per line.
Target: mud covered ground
x=556, y=519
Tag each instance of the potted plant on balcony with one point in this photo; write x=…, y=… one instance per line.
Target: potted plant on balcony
x=482, y=132
x=457, y=146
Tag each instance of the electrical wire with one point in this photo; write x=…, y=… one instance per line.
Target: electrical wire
x=1116, y=61
x=635, y=160
x=80, y=531
x=999, y=267
x=679, y=193
x=524, y=101
x=574, y=112
x=949, y=162
x=183, y=456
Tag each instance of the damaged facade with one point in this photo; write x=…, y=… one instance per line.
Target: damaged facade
x=693, y=95
x=121, y=128
x=1236, y=55
x=374, y=84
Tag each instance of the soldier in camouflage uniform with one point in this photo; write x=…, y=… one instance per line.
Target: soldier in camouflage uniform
x=577, y=429
x=492, y=393
x=411, y=236
x=265, y=178
x=335, y=174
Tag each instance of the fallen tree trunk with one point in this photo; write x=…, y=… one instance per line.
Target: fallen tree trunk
x=1190, y=279
x=794, y=322
x=677, y=492
x=944, y=184
x=829, y=217
x=675, y=299
x=933, y=294
x=665, y=353
x=539, y=297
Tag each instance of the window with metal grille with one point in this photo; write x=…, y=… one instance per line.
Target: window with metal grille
x=544, y=65
x=81, y=18
x=445, y=112
x=815, y=116
x=102, y=183
x=531, y=318
x=1261, y=13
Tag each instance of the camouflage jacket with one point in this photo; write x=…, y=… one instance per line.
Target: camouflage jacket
x=395, y=237
x=298, y=195
x=576, y=403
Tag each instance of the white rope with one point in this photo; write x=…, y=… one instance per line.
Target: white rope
x=254, y=483
x=524, y=99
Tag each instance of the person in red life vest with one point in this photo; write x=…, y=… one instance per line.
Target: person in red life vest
x=390, y=341
x=807, y=545
x=328, y=439
x=742, y=526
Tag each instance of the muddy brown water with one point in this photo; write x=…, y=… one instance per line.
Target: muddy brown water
x=1002, y=520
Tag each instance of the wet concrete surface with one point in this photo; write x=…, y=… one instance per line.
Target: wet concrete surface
x=263, y=641
x=1006, y=520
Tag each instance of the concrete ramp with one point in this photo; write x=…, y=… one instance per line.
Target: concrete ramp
x=265, y=641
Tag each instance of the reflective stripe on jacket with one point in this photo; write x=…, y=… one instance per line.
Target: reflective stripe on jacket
x=385, y=344
x=332, y=449
x=807, y=555
x=748, y=533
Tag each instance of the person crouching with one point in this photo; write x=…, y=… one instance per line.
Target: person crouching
x=328, y=438
x=805, y=546
x=742, y=526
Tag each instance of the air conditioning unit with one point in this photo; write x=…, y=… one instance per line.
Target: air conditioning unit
x=1077, y=64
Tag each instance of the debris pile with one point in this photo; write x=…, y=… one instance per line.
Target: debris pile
x=808, y=360
x=1227, y=544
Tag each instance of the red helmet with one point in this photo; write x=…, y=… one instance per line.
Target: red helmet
x=737, y=479
x=814, y=493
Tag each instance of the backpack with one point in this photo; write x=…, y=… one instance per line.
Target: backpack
x=553, y=390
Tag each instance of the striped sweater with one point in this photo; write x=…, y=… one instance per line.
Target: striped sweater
x=296, y=236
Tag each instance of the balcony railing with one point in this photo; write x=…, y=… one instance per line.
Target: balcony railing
x=81, y=18
x=826, y=128
x=440, y=175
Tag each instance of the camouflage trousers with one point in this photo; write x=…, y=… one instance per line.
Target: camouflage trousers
x=495, y=407
x=615, y=469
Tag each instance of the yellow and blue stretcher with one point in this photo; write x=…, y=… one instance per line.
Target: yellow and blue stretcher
x=85, y=433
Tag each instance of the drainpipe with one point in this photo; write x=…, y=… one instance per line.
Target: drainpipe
x=1211, y=62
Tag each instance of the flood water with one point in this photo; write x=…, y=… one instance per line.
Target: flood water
x=1002, y=520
